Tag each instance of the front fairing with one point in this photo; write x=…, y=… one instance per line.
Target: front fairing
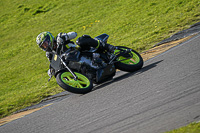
x=56, y=63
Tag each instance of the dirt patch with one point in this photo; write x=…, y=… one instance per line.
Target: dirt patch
x=145, y=55
x=162, y=48
x=19, y=115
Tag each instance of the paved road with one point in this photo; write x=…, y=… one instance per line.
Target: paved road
x=164, y=95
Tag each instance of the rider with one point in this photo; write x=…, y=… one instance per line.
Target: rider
x=48, y=43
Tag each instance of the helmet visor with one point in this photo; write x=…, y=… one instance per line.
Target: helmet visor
x=45, y=45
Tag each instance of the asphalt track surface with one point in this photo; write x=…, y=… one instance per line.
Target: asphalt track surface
x=163, y=95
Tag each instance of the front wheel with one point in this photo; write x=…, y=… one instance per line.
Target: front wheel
x=80, y=86
x=130, y=65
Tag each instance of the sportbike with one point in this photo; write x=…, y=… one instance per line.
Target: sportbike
x=77, y=70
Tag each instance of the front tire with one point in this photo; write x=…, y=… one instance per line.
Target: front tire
x=130, y=65
x=81, y=86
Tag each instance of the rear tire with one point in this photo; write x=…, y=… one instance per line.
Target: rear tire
x=81, y=86
x=129, y=65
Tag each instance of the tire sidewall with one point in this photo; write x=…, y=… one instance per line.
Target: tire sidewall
x=127, y=67
x=73, y=89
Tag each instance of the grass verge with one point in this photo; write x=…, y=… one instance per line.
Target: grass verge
x=191, y=128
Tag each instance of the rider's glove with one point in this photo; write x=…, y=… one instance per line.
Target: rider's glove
x=63, y=37
x=60, y=40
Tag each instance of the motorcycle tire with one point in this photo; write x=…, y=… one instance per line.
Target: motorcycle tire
x=80, y=86
x=130, y=65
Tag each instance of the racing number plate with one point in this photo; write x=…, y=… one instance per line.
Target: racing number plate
x=55, y=57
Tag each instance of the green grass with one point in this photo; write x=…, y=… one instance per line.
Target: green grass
x=138, y=24
x=191, y=128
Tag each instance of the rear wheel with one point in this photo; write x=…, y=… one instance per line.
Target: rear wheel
x=130, y=65
x=80, y=86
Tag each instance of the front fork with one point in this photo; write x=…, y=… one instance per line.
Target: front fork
x=51, y=72
x=73, y=74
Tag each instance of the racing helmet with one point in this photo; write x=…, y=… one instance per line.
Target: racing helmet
x=45, y=41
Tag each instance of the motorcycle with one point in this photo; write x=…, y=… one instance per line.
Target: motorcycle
x=76, y=70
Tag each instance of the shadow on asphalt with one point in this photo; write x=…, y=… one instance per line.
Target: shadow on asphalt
x=126, y=75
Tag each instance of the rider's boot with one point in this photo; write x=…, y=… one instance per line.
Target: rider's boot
x=108, y=47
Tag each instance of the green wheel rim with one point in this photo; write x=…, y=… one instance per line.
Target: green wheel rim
x=132, y=61
x=81, y=82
